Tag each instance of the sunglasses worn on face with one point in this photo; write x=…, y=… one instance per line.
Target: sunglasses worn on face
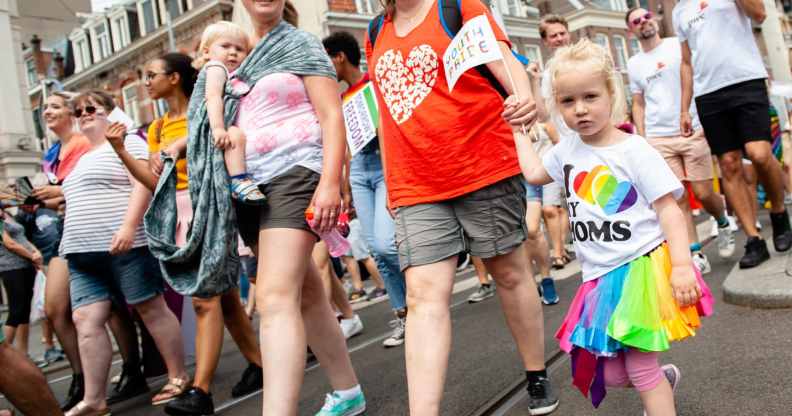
x=645, y=18
x=89, y=109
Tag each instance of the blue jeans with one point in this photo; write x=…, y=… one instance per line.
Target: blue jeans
x=370, y=196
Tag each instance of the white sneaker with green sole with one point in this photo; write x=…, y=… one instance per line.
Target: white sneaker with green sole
x=334, y=405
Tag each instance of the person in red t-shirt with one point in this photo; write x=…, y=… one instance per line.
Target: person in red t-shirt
x=453, y=182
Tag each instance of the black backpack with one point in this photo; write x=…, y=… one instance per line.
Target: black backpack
x=451, y=19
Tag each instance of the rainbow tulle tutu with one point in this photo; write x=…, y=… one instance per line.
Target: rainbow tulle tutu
x=629, y=307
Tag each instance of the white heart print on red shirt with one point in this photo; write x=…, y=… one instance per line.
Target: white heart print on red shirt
x=404, y=85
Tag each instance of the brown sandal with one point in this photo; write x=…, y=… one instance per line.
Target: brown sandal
x=174, y=388
x=558, y=263
x=82, y=409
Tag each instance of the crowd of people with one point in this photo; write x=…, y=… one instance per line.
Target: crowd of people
x=249, y=174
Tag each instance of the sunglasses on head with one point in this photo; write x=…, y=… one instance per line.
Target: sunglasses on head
x=645, y=18
x=89, y=109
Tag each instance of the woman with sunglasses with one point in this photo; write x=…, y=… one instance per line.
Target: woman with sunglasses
x=171, y=77
x=105, y=246
x=44, y=223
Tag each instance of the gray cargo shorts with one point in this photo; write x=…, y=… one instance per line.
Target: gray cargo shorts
x=487, y=223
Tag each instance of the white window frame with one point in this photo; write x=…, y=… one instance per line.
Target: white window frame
x=163, y=10
x=98, y=44
x=31, y=73
x=601, y=36
x=82, y=51
x=119, y=26
x=512, y=8
x=155, y=11
x=538, y=53
x=635, y=46
x=131, y=108
x=367, y=7
x=623, y=55
x=160, y=108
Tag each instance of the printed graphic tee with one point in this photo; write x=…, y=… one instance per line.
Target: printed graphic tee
x=438, y=145
x=609, y=192
x=655, y=75
x=721, y=40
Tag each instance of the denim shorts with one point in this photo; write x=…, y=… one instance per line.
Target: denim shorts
x=134, y=277
x=547, y=195
x=533, y=193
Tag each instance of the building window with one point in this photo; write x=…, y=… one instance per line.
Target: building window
x=635, y=46
x=31, y=73
x=82, y=51
x=602, y=40
x=368, y=6
x=513, y=7
x=101, y=38
x=160, y=108
x=614, y=5
x=534, y=54
x=173, y=8
x=148, y=16
x=120, y=29
x=131, y=104
x=620, y=46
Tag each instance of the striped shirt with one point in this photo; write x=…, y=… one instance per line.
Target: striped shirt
x=97, y=198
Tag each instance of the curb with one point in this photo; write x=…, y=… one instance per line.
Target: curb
x=765, y=287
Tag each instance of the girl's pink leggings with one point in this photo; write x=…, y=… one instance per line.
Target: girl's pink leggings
x=633, y=368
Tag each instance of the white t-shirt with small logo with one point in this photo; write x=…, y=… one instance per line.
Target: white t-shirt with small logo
x=655, y=75
x=609, y=192
x=721, y=41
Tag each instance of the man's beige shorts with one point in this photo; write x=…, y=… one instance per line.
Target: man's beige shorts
x=689, y=158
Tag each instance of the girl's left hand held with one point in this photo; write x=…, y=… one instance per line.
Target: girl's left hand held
x=519, y=113
x=685, y=288
x=326, y=206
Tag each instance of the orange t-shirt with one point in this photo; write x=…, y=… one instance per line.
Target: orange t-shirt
x=438, y=145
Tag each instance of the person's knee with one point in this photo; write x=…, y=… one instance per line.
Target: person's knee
x=759, y=155
x=508, y=277
x=426, y=297
x=731, y=165
x=204, y=307
x=272, y=299
x=550, y=212
x=85, y=322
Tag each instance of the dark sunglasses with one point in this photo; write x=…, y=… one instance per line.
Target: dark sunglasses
x=89, y=109
x=645, y=18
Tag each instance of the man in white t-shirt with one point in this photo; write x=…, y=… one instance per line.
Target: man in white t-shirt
x=554, y=31
x=721, y=64
x=656, y=91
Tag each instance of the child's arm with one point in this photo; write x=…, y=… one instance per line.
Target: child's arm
x=216, y=77
x=683, y=280
x=532, y=168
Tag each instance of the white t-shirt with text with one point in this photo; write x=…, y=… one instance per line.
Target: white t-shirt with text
x=721, y=41
x=609, y=192
x=655, y=75
x=97, y=198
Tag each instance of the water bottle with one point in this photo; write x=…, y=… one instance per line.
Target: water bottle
x=336, y=243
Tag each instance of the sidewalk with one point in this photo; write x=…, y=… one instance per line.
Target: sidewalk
x=768, y=286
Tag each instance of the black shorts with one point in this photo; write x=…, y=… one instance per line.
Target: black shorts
x=288, y=196
x=735, y=115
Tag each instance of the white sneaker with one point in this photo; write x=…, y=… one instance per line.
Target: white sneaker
x=700, y=260
x=397, y=338
x=732, y=223
x=725, y=242
x=713, y=227
x=351, y=327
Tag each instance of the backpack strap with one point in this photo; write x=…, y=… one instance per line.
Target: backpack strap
x=375, y=25
x=450, y=12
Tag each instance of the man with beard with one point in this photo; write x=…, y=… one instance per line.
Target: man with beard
x=656, y=90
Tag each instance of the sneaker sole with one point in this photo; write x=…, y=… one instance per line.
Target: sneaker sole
x=393, y=345
x=479, y=300
x=357, y=412
x=547, y=302
x=751, y=266
x=543, y=410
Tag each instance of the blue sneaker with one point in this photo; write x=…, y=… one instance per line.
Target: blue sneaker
x=334, y=405
x=549, y=296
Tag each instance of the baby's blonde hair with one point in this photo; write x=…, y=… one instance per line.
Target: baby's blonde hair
x=585, y=53
x=215, y=31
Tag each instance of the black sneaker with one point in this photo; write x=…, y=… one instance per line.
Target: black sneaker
x=76, y=392
x=782, y=233
x=755, y=253
x=252, y=380
x=542, y=400
x=131, y=384
x=193, y=402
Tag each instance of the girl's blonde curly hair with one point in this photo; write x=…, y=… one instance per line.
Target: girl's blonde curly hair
x=586, y=54
x=215, y=31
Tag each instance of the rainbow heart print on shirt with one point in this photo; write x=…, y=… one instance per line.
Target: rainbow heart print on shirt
x=600, y=187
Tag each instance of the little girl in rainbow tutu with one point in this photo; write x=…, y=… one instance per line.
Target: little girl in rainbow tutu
x=640, y=289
